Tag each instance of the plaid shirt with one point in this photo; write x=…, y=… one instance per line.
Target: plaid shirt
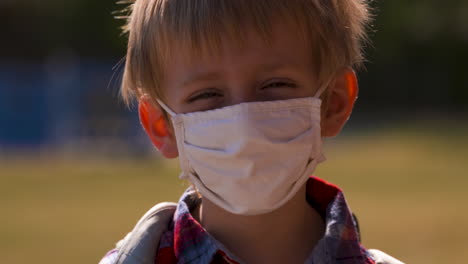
x=187, y=241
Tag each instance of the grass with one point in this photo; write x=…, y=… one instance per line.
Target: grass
x=407, y=186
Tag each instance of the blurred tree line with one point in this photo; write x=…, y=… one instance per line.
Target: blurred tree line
x=418, y=58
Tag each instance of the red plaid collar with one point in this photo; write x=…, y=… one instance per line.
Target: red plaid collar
x=187, y=241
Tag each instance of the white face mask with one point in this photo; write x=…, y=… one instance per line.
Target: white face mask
x=250, y=158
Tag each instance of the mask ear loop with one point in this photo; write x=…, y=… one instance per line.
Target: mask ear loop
x=165, y=107
x=321, y=158
x=322, y=89
x=180, y=138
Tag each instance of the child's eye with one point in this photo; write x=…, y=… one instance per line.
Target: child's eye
x=279, y=85
x=204, y=95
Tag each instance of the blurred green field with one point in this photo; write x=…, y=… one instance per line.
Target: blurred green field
x=406, y=185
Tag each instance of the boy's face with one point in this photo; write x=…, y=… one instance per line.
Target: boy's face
x=281, y=69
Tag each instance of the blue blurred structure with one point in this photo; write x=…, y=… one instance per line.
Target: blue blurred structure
x=23, y=106
x=64, y=102
x=56, y=60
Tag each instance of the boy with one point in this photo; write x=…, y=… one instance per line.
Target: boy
x=243, y=91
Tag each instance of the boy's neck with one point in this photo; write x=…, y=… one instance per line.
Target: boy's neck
x=286, y=235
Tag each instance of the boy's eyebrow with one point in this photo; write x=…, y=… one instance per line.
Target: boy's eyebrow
x=276, y=67
x=205, y=76
x=211, y=76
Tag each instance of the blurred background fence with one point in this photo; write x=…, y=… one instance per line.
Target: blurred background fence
x=58, y=84
x=60, y=66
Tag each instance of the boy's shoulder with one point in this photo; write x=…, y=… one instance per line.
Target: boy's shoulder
x=380, y=257
x=139, y=245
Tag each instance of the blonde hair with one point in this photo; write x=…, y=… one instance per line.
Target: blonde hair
x=336, y=29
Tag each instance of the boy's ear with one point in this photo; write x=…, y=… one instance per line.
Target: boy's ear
x=339, y=102
x=156, y=127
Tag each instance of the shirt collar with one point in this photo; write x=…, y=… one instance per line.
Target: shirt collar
x=340, y=243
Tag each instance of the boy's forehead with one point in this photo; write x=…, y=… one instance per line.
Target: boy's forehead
x=284, y=49
x=278, y=46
